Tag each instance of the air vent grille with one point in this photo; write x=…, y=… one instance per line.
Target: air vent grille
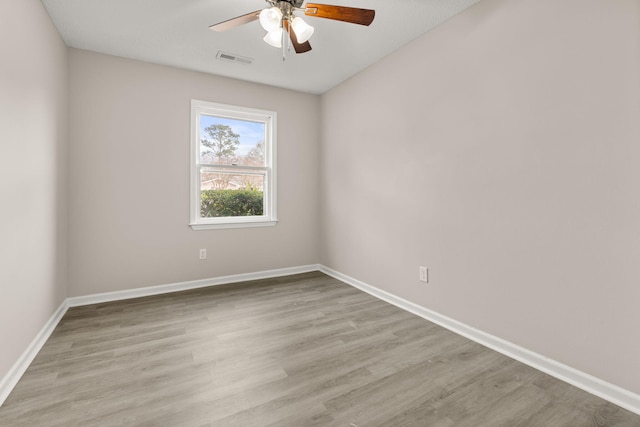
x=226, y=56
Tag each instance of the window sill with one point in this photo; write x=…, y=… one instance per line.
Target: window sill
x=243, y=224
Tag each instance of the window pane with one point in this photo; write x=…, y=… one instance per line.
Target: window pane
x=233, y=176
x=225, y=141
x=229, y=194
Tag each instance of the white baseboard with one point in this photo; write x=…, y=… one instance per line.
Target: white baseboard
x=9, y=381
x=582, y=380
x=614, y=394
x=184, y=286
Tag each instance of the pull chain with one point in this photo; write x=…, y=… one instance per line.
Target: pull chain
x=284, y=40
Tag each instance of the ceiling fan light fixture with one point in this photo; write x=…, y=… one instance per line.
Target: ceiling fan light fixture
x=274, y=37
x=270, y=18
x=279, y=19
x=303, y=30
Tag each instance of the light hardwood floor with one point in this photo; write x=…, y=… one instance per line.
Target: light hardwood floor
x=293, y=351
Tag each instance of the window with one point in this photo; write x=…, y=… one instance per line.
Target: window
x=233, y=177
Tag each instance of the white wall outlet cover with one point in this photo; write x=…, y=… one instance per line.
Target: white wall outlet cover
x=424, y=274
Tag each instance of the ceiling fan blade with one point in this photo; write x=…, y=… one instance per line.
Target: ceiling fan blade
x=236, y=22
x=340, y=13
x=298, y=47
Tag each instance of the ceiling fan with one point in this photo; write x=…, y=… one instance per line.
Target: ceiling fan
x=279, y=20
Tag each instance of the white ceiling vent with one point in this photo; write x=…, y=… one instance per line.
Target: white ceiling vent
x=225, y=56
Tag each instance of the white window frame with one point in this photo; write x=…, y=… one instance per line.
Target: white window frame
x=269, y=217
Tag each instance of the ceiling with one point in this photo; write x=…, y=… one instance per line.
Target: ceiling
x=176, y=33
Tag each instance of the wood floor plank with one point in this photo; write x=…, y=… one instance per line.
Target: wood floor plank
x=300, y=350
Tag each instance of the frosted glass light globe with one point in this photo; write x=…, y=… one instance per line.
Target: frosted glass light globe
x=270, y=18
x=303, y=30
x=274, y=37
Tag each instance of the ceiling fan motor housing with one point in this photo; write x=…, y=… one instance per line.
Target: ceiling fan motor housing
x=293, y=3
x=287, y=7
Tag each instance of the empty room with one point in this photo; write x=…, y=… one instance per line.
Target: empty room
x=281, y=213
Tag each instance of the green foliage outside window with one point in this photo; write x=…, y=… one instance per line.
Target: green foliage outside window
x=225, y=203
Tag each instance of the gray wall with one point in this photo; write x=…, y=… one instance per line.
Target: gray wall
x=129, y=178
x=501, y=150
x=33, y=156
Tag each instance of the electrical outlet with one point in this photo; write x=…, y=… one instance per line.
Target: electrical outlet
x=424, y=274
x=203, y=253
